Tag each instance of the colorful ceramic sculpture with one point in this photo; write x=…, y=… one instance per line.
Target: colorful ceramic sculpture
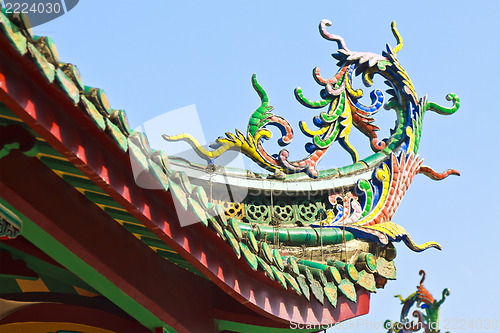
x=366, y=210
x=426, y=312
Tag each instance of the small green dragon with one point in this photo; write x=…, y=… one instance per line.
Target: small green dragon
x=427, y=321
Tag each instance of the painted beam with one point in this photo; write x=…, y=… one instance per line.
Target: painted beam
x=58, y=317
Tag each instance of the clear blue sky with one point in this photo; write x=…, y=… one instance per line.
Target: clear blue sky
x=155, y=56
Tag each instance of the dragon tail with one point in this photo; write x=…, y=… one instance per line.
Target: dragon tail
x=429, y=172
x=396, y=232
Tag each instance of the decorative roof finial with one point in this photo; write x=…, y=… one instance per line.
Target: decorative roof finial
x=427, y=321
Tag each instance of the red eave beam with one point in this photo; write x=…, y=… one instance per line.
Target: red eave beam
x=86, y=230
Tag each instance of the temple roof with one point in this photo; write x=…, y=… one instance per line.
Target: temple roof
x=304, y=279
x=91, y=146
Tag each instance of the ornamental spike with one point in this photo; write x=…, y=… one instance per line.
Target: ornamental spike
x=326, y=35
x=398, y=37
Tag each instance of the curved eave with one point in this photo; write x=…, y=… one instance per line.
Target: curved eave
x=292, y=185
x=48, y=111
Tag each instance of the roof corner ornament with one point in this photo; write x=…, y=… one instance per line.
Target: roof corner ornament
x=426, y=312
x=368, y=209
x=342, y=109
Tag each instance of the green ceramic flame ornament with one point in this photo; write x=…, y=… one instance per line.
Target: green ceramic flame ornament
x=426, y=312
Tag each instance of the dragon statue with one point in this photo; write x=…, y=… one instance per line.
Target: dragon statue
x=368, y=208
x=427, y=321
